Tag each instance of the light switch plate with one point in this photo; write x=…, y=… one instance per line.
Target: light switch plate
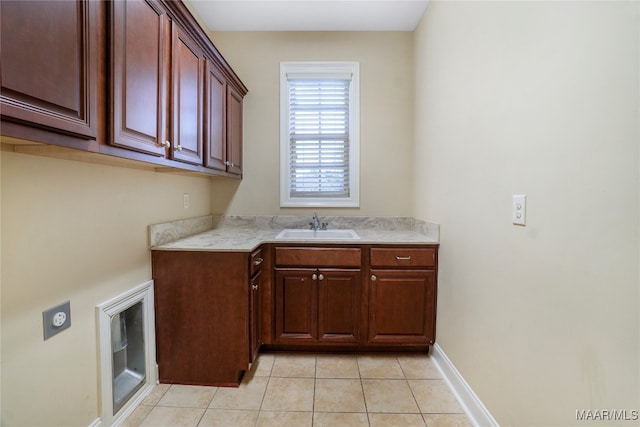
x=519, y=210
x=56, y=319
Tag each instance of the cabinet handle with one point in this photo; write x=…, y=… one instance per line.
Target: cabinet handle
x=314, y=276
x=258, y=261
x=254, y=287
x=178, y=147
x=228, y=163
x=165, y=144
x=404, y=258
x=321, y=276
x=373, y=278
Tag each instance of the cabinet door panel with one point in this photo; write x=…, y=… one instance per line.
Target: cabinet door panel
x=49, y=68
x=140, y=33
x=188, y=69
x=254, y=318
x=215, y=136
x=402, y=306
x=234, y=131
x=202, y=316
x=295, y=306
x=339, y=306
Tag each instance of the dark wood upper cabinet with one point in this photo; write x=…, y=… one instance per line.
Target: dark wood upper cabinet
x=188, y=92
x=215, y=134
x=49, y=71
x=234, y=131
x=137, y=80
x=223, y=119
x=140, y=32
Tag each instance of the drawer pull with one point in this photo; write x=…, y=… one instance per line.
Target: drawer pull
x=258, y=261
x=404, y=258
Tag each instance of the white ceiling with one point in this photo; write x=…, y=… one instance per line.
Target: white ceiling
x=309, y=15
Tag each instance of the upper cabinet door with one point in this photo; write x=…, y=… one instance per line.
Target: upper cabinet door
x=215, y=135
x=48, y=71
x=234, y=131
x=139, y=66
x=188, y=90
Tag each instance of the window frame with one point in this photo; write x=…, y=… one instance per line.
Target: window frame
x=321, y=70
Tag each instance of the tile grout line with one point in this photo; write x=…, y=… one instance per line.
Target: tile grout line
x=264, y=395
x=412, y=393
x=313, y=400
x=364, y=397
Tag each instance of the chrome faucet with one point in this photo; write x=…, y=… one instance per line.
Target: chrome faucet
x=315, y=223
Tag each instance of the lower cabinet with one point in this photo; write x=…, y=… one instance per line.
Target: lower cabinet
x=255, y=304
x=215, y=310
x=402, y=306
x=361, y=298
x=402, y=295
x=204, y=303
x=317, y=305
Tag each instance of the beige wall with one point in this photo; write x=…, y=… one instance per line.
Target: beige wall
x=386, y=120
x=535, y=98
x=75, y=231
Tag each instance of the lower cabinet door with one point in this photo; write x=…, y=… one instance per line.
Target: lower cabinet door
x=254, y=317
x=339, y=306
x=295, y=306
x=402, y=306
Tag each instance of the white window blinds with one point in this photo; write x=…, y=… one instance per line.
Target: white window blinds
x=319, y=137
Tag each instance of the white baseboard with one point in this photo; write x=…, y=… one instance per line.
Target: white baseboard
x=96, y=423
x=477, y=412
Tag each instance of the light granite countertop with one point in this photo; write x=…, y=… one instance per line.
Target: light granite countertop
x=244, y=234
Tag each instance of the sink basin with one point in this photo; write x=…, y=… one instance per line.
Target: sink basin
x=298, y=234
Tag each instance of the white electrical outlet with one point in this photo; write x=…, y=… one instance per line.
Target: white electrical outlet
x=185, y=200
x=59, y=318
x=519, y=209
x=56, y=319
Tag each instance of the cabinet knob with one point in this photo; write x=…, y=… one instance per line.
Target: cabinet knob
x=178, y=147
x=254, y=287
x=314, y=276
x=258, y=261
x=165, y=144
x=373, y=278
x=321, y=276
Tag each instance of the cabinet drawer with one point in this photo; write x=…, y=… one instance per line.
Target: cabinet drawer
x=403, y=257
x=255, y=262
x=318, y=257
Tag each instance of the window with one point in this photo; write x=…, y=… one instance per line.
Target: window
x=319, y=134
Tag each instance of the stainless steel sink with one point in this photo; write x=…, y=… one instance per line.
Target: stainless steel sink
x=298, y=234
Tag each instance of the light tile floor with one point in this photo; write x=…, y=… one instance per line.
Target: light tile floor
x=300, y=390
